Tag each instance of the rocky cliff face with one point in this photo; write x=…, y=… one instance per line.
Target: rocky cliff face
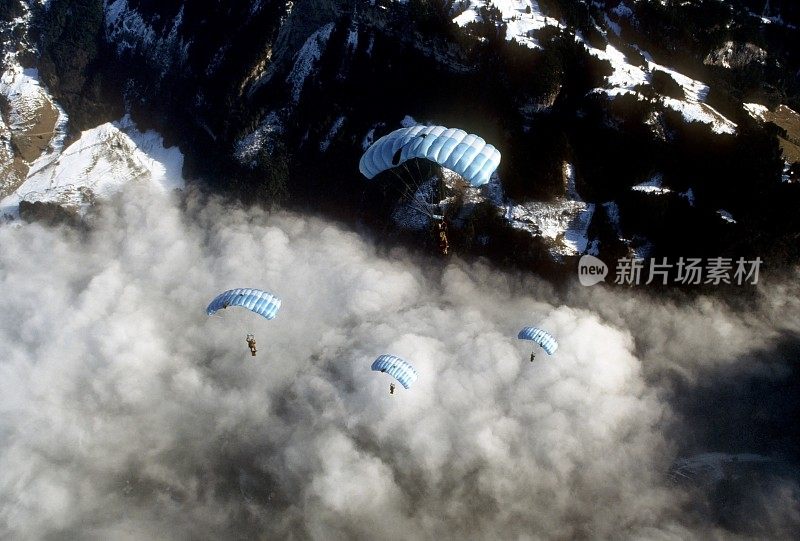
x=736, y=55
x=32, y=124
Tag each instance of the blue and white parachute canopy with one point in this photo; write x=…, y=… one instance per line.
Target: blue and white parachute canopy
x=466, y=154
x=262, y=303
x=396, y=367
x=543, y=338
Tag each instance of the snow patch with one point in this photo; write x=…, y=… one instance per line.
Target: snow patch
x=99, y=164
x=352, y=38
x=756, y=110
x=307, y=58
x=246, y=149
x=700, y=112
x=615, y=27
x=522, y=18
x=626, y=77
x=622, y=10
x=370, y=44
x=653, y=186
x=126, y=28
x=408, y=121
x=24, y=96
x=326, y=141
x=725, y=215
x=689, y=195
x=565, y=221
x=786, y=173
x=369, y=138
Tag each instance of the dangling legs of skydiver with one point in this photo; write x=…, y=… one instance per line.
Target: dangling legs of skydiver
x=533, y=356
x=251, y=343
x=391, y=388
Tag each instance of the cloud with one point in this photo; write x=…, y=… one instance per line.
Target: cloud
x=126, y=412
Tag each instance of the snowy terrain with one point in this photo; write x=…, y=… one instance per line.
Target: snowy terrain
x=652, y=186
x=32, y=126
x=522, y=18
x=756, y=110
x=725, y=215
x=307, y=58
x=26, y=98
x=335, y=127
x=564, y=221
x=626, y=77
x=126, y=28
x=246, y=149
x=99, y=164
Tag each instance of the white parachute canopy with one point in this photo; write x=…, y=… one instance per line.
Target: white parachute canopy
x=541, y=337
x=466, y=154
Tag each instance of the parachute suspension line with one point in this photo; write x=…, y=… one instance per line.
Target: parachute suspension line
x=408, y=194
x=407, y=190
x=440, y=190
x=432, y=203
x=411, y=192
x=434, y=196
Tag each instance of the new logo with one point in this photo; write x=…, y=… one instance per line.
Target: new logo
x=591, y=270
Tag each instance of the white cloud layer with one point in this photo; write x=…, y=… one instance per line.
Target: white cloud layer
x=127, y=413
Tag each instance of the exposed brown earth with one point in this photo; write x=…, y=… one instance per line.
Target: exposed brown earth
x=789, y=120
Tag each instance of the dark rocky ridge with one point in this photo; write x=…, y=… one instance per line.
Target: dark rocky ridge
x=535, y=104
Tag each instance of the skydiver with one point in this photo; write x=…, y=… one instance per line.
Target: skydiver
x=533, y=356
x=251, y=343
x=443, y=244
x=391, y=388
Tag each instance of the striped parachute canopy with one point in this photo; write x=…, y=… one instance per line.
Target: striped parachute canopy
x=396, y=367
x=466, y=154
x=543, y=338
x=262, y=303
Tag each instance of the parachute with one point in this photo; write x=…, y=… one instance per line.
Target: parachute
x=543, y=338
x=466, y=154
x=396, y=367
x=262, y=303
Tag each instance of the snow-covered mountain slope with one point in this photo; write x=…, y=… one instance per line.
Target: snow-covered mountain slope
x=32, y=125
x=97, y=165
x=787, y=120
x=628, y=78
x=522, y=17
x=36, y=124
x=306, y=59
x=36, y=164
x=128, y=31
